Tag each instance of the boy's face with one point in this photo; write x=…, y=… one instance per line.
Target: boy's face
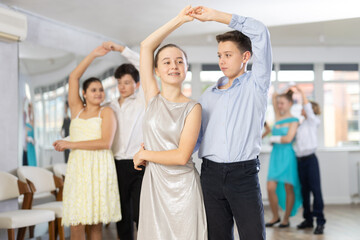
x=231, y=60
x=126, y=85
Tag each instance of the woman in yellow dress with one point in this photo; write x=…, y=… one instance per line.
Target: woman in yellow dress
x=91, y=194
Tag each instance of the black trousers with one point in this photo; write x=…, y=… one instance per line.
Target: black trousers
x=129, y=181
x=232, y=191
x=66, y=155
x=309, y=175
x=24, y=158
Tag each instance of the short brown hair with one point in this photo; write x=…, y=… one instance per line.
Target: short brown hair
x=242, y=41
x=316, y=108
x=127, y=68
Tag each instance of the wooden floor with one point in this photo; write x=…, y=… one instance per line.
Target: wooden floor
x=343, y=223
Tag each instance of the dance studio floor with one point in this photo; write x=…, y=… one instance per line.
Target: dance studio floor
x=343, y=223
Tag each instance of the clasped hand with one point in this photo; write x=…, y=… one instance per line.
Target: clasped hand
x=61, y=145
x=138, y=159
x=200, y=13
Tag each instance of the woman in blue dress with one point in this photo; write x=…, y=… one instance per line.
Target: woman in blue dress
x=30, y=138
x=283, y=181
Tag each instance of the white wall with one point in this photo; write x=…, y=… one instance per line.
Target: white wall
x=9, y=116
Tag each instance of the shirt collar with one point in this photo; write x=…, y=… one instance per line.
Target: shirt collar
x=223, y=80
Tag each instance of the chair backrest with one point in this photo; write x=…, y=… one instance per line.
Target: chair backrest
x=42, y=179
x=60, y=169
x=8, y=186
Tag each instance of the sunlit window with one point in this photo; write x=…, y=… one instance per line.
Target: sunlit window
x=296, y=73
x=341, y=72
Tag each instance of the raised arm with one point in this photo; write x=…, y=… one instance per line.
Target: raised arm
x=266, y=131
x=258, y=34
x=132, y=56
x=303, y=96
x=182, y=154
x=108, y=127
x=148, y=47
x=274, y=103
x=74, y=99
x=310, y=115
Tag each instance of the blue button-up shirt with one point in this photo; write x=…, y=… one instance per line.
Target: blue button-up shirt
x=233, y=118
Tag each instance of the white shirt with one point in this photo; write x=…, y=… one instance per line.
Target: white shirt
x=306, y=134
x=129, y=115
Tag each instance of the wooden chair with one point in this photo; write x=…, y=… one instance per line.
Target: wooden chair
x=11, y=187
x=41, y=181
x=59, y=170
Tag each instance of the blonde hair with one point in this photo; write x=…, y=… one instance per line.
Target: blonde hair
x=316, y=108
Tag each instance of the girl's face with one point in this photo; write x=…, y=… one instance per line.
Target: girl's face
x=283, y=105
x=172, y=66
x=126, y=85
x=94, y=94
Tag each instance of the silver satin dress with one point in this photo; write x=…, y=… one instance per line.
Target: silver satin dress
x=171, y=201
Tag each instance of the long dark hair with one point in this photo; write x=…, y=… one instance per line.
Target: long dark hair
x=288, y=95
x=87, y=83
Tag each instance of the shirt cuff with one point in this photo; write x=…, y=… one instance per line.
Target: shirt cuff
x=237, y=22
x=127, y=52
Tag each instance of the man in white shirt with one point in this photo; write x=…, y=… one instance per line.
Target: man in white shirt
x=308, y=166
x=129, y=109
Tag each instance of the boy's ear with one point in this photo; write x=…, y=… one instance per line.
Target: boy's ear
x=246, y=56
x=138, y=84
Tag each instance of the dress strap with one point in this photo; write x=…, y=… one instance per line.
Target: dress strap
x=100, y=110
x=77, y=116
x=287, y=120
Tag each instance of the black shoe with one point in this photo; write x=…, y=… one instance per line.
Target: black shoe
x=270, y=224
x=284, y=225
x=305, y=224
x=319, y=229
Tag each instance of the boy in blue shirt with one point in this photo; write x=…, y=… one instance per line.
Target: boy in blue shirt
x=233, y=112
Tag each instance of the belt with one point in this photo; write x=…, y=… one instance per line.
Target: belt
x=306, y=157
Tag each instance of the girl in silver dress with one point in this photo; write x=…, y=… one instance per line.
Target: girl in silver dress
x=171, y=202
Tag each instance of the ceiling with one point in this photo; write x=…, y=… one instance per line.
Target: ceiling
x=291, y=23
x=297, y=22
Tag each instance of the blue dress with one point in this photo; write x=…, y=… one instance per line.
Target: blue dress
x=31, y=155
x=283, y=167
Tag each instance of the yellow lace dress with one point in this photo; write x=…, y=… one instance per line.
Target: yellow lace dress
x=91, y=192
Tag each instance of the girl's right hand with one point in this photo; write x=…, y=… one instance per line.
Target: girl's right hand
x=185, y=14
x=99, y=51
x=111, y=46
x=203, y=14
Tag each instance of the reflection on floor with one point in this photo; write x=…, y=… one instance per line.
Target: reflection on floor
x=343, y=223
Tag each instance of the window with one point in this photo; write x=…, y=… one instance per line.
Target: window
x=296, y=73
x=341, y=72
x=341, y=114
x=341, y=105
